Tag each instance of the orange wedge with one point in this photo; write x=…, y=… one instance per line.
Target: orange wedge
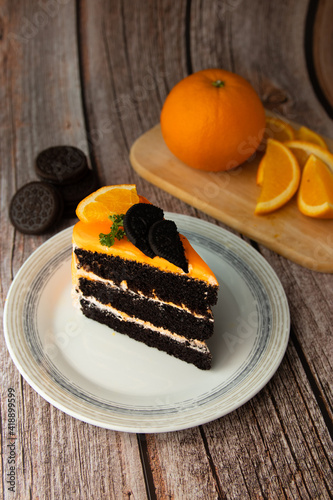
x=315, y=195
x=106, y=201
x=303, y=149
x=308, y=135
x=280, y=177
x=278, y=129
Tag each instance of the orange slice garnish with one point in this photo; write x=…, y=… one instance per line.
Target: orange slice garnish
x=280, y=176
x=308, y=135
x=315, y=195
x=106, y=201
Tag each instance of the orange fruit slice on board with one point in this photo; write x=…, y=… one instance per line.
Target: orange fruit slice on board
x=280, y=177
x=106, y=201
x=282, y=130
x=315, y=194
x=308, y=135
x=303, y=149
x=278, y=129
x=213, y=120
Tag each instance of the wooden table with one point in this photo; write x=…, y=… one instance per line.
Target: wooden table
x=95, y=75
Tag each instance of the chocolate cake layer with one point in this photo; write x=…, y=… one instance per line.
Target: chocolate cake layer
x=168, y=287
x=163, y=315
x=200, y=357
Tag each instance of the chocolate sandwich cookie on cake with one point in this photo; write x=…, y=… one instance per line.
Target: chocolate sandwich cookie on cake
x=134, y=272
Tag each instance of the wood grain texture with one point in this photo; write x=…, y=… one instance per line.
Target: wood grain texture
x=321, y=52
x=181, y=455
x=263, y=42
x=207, y=38
x=56, y=456
x=95, y=74
x=277, y=461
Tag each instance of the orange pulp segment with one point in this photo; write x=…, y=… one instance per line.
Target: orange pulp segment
x=108, y=200
x=303, y=149
x=280, y=177
x=315, y=195
x=308, y=135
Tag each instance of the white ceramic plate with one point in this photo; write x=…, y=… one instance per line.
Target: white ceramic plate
x=104, y=378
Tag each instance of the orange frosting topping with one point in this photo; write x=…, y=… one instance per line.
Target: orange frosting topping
x=86, y=236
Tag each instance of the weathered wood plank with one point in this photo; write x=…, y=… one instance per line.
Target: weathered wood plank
x=288, y=90
x=56, y=455
x=243, y=38
x=310, y=297
x=277, y=445
x=180, y=466
x=129, y=103
x=264, y=42
x=129, y=64
x=65, y=458
x=321, y=52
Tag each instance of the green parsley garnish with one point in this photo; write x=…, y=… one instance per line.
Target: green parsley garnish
x=116, y=231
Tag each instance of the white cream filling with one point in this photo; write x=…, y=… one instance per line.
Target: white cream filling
x=193, y=343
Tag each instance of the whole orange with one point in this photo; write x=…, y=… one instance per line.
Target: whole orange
x=213, y=120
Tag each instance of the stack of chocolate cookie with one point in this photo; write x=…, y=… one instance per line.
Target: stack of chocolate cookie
x=65, y=179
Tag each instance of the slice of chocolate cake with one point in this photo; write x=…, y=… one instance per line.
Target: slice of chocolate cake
x=149, y=284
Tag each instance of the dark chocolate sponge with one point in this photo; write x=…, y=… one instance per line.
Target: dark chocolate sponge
x=35, y=208
x=137, y=221
x=61, y=164
x=165, y=242
x=201, y=359
x=151, y=282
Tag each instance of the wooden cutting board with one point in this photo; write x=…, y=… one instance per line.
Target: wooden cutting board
x=231, y=197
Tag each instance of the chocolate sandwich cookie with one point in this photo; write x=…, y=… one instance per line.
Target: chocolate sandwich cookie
x=137, y=221
x=165, y=242
x=61, y=164
x=35, y=208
